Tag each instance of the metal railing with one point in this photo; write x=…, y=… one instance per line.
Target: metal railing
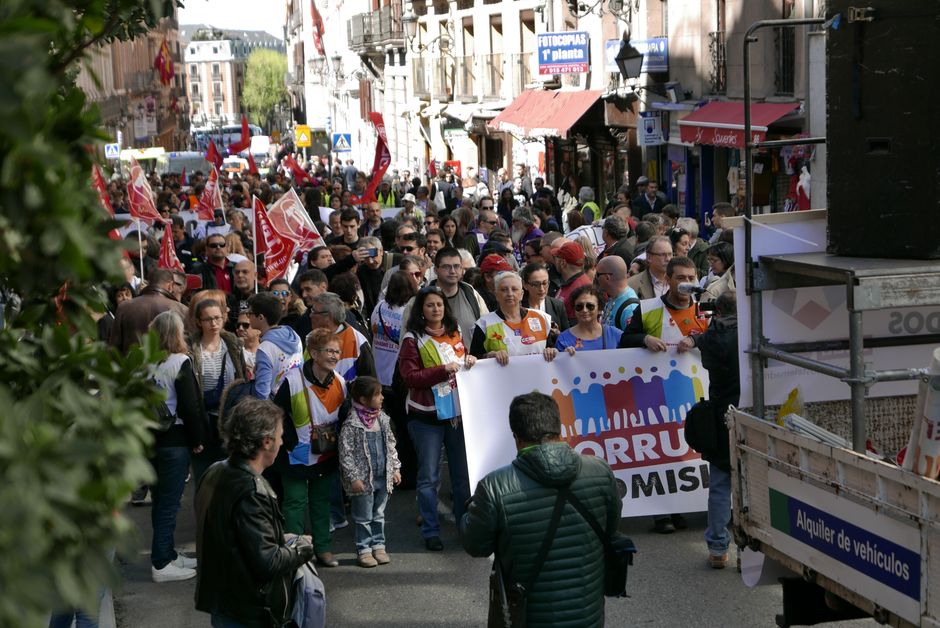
x=522, y=63
x=139, y=81
x=718, y=70
x=492, y=76
x=466, y=85
x=784, y=60
x=419, y=77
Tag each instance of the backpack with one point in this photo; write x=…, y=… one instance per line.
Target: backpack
x=620, y=310
x=237, y=390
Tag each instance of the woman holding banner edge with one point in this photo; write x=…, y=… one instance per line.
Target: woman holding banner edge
x=432, y=351
x=588, y=333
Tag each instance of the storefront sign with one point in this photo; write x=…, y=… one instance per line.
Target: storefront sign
x=649, y=131
x=655, y=54
x=563, y=53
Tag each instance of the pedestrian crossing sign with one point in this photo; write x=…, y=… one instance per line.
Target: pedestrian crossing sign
x=342, y=142
x=112, y=151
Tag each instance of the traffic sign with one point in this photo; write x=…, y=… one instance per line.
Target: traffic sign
x=112, y=151
x=302, y=136
x=342, y=142
x=276, y=137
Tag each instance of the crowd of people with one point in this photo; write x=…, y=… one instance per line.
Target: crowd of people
x=319, y=394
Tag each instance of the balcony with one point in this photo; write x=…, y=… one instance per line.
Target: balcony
x=718, y=61
x=372, y=32
x=492, y=76
x=442, y=74
x=466, y=85
x=139, y=81
x=359, y=32
x=391, y=30
x=522, y=63
x=419, y=77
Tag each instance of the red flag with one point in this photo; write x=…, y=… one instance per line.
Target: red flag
x=245, y=140
x=213, y=156
x=432, y=168
x=382, y=159
x=291, y=220
x=276, y=247
x=97, y=181
x=252, y=167
x=163, y=63
x=183, y=177
x=211, y=198
x=140, y=196
x=168, y=258
x=318, y=30
x=299, y=173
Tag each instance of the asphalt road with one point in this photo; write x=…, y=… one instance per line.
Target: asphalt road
x=670, y=583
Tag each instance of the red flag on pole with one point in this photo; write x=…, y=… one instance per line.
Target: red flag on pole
x=140, y=196
x=252, y=167
x=382, y=159
x=213, y=156
x=97, y=181
x=298, y=173
x=211, y=198
x=183, y=177
x=244, y=142
x=168, y=258
x=291, y=220
x=276, y=247
x=318, y=30
x=163, y=63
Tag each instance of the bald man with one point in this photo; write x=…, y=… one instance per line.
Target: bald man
x=611, y=278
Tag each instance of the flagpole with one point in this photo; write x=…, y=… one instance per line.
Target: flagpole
x=140, y=249
x=254, y=241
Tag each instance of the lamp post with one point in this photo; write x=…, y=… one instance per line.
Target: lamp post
x=629, y=60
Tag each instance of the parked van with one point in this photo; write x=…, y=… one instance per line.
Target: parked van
x=177, y=161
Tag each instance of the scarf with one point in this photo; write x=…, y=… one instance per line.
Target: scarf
x=368, y=416
x=436, y=333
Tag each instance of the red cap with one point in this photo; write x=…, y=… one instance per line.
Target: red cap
x=493, y=263
x=571, y=252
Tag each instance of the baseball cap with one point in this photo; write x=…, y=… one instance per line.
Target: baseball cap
x=643, y=180
x=494, y=263
x=571, y=252
x=408, y=197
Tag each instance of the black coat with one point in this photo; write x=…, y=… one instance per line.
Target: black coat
x=245, y=569
x=719, y=347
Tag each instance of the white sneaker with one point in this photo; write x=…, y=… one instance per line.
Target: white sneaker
x=184, y=562
x=171, y=573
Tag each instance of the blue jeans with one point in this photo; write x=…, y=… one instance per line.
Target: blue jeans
x=368, y=515
x=172, y=466
x=64, y=620
x=337, y=507
x=717, y=536
x=427, y=440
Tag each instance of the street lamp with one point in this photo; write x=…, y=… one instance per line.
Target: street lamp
x=337, y=61
x=317, y=63
x=443, y=42
x=410, y=20
x=629, y=60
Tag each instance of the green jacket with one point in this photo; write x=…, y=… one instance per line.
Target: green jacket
x=510, y=513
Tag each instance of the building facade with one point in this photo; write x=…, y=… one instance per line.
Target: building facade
x=215, y=63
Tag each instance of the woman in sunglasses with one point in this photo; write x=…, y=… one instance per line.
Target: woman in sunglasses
x=432, y=352
x=588, y=333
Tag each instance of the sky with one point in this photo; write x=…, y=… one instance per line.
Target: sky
x=267, y=15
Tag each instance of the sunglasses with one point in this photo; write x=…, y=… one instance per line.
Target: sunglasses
x=408, y=249
x=590, y=307
x=430, y=222
x=281, y=293
x=217, y=245
x=244, y=325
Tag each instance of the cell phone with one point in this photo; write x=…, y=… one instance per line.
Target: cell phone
x=373, y=252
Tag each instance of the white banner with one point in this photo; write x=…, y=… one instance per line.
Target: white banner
x=819, y=313
x=626, y=406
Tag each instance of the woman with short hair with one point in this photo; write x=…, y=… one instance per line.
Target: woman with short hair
x=588, y=333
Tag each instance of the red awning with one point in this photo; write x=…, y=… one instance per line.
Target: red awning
x=722, y=123
x=536, y=113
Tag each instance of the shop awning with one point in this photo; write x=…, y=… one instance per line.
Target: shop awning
x=536, y=113
x=722, y=123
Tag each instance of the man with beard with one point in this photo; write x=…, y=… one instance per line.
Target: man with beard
x=523, y=230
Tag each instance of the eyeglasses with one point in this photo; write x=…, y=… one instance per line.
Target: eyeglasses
x=490, y=222
x=244, y=325
x=217, y=245
x=486, y=207
x=408, y=249
x=428, y=223
x=590, y=307
x=538, y=284
x=417, y=274
x=213, y=319
x=449, y=267
x=335, y=352
x=281, y=293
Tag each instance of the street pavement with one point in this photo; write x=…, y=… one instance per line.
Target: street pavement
x=670, y=583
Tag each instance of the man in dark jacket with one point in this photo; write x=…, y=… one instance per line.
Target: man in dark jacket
x=217, y=272
x=510, y=511
x=133, y=317
x=719, y=347
x=245, y=566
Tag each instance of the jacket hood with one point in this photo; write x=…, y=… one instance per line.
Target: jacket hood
x=552, y=464
x=285, y=338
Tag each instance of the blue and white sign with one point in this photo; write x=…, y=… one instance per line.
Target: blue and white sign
x=342, y=142
x=655, y=54
x=112, y=151
x=649, y=129
x=870, y=553
x=564, y=53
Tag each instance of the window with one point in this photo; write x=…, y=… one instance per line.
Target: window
x=217, y=89
x=215, y=50
x=218, y=109
x=195, y=89
x=193, y=69
x=215, y=70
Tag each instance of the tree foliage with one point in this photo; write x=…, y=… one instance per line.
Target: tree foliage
x=73, y=414
x=264, y=84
